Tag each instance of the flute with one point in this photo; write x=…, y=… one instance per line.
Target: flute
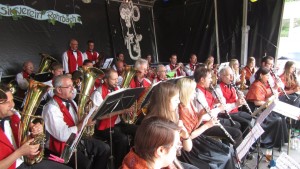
x=240, y=94
x=220, y=100
x=207, y=110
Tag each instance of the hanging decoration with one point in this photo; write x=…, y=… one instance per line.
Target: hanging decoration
x=129, y=15
x=18, y=11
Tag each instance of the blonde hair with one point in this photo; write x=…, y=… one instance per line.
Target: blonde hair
x=231, y=63
x=187, y=88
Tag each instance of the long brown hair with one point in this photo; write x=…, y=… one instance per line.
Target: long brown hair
x=288, y=77
x=160, y=101
x=153, y=133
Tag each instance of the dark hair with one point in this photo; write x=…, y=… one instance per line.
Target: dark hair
x=200, y=72
x=77, y=75
x=153, y=133
x=4, y=87
x=262, y=71
x=107, y=72
x=90, y=41
x=86, y=61
x=264, y=59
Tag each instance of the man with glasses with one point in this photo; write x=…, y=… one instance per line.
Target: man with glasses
x=72, y=58
x=139, y=80
x=161, y=74
x=61, y=120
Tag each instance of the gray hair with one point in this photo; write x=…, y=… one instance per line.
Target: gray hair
x=159, y=66
x=140, y=62
x=57, y=82
x=223, y=70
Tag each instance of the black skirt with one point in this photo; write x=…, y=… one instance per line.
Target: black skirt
x=276, y=132
x=208, y=153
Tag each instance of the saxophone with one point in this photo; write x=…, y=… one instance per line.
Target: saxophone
x=139, y=108
x=34, y=96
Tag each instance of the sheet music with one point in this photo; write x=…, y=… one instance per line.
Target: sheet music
x=286, y=162
x=265, y=113
x=251, y=137
x=287, y=109
x=78, y=136
x=107, y=63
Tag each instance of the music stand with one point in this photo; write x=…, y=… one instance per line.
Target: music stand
x=114, y=102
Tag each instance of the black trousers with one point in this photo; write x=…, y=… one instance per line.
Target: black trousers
x=235, y=133
x=44, y=164
x=121, y=134
x=91, y=154
x=244, y=119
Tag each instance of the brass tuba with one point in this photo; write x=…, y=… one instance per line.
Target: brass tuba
x=90, y=74
x=127, y=76
x=34, y=95
x=46, y=62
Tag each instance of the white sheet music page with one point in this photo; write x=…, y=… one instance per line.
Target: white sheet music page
x=251, y=137
x=265, y=113
x=287, y=110
x=83, y=125
x=286, y=162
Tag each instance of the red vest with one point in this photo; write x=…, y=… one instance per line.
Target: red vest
x=90, y=56
x=55, y=145
x=6, y=147
x=105, y=123
x=72, y=62
x=208, y=96
x=134, y=83
x=229, y=94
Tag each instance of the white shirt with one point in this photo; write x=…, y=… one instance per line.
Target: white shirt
x=201, y=97
x=50, y=92
x=84, y=55
x=188, y=70
x=97, y=99
x=54, y=121
x=22, y=82
x=65, y=59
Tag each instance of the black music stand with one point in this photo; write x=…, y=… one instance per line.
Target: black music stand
x=116, y=101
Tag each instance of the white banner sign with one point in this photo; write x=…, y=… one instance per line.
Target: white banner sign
x=50, y=15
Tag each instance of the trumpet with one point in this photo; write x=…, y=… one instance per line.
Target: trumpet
x=207, y=110
x=240, y=94
x=220, y=100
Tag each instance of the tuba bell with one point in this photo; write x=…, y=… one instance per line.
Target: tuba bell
x=34, y=96
x=90, y=74
x=127, y=76
x=46, y=62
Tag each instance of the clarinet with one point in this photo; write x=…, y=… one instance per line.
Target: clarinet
x=220, y=100
x=240, y=94
x=279, y=80
x=207, y=110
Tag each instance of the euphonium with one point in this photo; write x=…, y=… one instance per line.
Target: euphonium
x=90, y=74
x=46, y=62
x=127, y=76
x=34, y=95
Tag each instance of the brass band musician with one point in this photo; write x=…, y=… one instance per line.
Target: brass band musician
x=11, y=155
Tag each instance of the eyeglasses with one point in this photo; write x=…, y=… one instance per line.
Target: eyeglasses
x=66, y=86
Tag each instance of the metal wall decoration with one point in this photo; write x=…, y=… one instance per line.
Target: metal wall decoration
x=130, y=14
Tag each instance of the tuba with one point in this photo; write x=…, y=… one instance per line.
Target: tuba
x=34, y=96
x=127, y=76
x=46, y=62
x=90, y=74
